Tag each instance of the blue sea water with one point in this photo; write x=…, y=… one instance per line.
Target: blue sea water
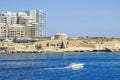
x=52, y=66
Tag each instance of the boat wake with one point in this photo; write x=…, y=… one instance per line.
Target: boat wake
x=72, y=66
x=76, y=66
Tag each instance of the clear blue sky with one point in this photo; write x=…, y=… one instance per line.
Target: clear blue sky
x=74, y=17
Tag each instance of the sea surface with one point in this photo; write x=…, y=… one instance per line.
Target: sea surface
x=55, y=66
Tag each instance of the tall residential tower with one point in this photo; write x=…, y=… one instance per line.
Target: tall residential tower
x=38, y=16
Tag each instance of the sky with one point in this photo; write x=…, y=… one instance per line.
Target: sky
x=77, y=18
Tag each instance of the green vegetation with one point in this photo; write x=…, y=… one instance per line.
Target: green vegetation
x=38, y=47
x=27, y=46
x=52, y=44
x=48, y=44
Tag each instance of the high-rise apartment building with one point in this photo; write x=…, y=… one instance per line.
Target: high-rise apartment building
x=29, y=24
x=39, y=16
x=33, y=22
x=8, y=18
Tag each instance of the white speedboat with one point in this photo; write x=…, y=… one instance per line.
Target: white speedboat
x=76, y=66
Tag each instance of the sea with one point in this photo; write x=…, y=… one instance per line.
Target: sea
x=57, y=66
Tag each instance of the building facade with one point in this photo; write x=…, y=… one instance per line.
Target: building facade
x=33, y=22
x=29, y=24
x=15, y=30
x=3, y=32
x=8, y=18
x=39, y=16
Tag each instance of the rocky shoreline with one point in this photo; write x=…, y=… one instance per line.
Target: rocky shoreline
x=60, y=46
x=58, y=51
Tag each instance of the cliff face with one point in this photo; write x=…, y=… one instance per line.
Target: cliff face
x=62, y=46
x=95, y=44
x=112, y=45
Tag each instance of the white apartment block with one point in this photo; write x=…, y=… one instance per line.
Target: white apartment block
x=8, y=18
